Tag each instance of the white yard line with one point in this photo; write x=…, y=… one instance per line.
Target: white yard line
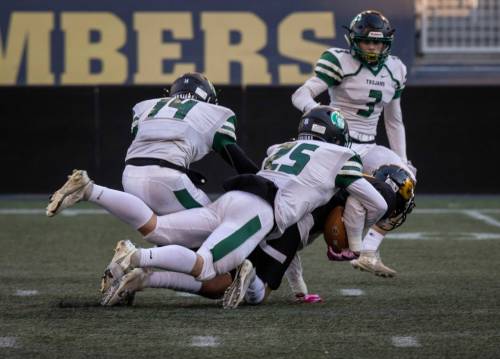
x=35, y=211
x=482, y=217
x=205, y=341
x=26, y=293
x=185, y=294
x=453, y=210
x=351, y=292
x=441, y=236
x=8, y=342
x=92, y=211
x=477, y=214
x=405, y=342
x=410, y=235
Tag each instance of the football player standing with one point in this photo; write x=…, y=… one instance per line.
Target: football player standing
x=362, y=81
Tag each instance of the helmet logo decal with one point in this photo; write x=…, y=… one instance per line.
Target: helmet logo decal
x=318, y=129
x=337, y=119
x=393, y=184
x=375, y=34
x=202, y=93
x=406, y=190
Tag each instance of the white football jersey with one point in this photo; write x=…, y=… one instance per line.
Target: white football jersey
x=307, y=174
x=179, y=131
x=380, y=156
x=358, y=90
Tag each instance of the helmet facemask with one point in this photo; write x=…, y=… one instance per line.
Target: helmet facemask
x=371, y=58
x=404, y=188
x=369, y=26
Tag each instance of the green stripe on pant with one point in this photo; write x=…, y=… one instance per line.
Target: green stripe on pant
x=186, y=200
x=233, y=241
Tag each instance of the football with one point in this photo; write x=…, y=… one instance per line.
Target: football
x=334, y=230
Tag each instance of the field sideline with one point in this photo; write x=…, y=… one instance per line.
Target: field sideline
x=445, y=301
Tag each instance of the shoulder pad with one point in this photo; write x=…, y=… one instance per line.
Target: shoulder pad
x=338, y=50
x=397, y=69
x=348, y=63
x=144, y=105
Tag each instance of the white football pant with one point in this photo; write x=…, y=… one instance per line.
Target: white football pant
x=164, y=190
x=226, y=231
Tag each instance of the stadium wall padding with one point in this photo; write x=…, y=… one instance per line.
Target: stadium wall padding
x=48, y=131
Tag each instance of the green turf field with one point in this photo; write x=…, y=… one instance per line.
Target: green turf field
x=444, y=303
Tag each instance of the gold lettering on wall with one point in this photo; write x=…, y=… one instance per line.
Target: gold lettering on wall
x=79, y=50
x=220, y=52
x=29, y=33
x=291, y=43
x=151, y=50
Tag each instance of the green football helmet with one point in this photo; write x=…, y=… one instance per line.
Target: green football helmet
x=195, y=86
x=370, y=25
x=324, y=123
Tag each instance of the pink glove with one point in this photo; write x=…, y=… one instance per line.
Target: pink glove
x=308, y=298
x=345, y=255
x=349, y=255
x=332, y=255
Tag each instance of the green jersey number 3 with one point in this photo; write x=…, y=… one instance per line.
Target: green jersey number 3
x=297, y=155
x=375, y=94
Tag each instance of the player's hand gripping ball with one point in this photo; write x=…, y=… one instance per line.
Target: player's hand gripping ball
x=334, y=230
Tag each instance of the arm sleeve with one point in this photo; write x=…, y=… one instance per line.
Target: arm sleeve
x=354, y=222
x=237, y=158
x=294, y=276
x=393, y=119
x=351, y=171
x=370, y=199
x=224, y=143
x=328, y=73
x=303, y=98
x=225, y=134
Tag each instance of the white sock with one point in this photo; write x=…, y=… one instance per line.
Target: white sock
x=172, y=258
x=175, y=281
x=372, y=240
x=129, y=208
x=355, y=243
x=256, y=291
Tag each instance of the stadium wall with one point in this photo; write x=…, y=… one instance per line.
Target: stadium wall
x=48, y=131
x=71, y=71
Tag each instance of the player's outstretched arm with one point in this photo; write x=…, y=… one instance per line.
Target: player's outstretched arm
x=225, y=145
x=238, y=159
x=370, y=198
x=396, y=133
x=294, y=275
x=395, y=128
x=303, y=98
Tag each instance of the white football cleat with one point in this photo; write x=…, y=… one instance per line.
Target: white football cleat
x=122, y=290
x=235, y=293
x=70, y=193
x=370, y=261
x=119, y=265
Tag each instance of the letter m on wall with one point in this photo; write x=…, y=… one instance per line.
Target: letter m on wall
x=28, y=36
